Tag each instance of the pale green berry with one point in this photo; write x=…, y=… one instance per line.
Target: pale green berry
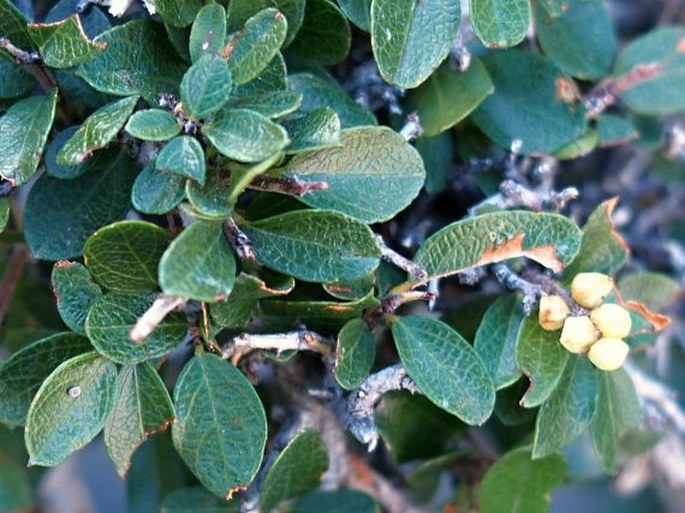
x=578, y=334
x=590, y=289
x=608, y=354
x=553, y=312
x=612, y=320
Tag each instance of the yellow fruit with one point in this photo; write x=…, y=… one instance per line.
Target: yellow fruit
x=553, y=312
x=612, y=320
x=578, y=334
x=608, y=354
x=590, y=289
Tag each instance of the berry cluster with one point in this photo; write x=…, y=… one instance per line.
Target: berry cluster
x=599, y=334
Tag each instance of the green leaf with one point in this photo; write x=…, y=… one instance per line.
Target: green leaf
x=272, y=78
x=123, y=256
x=358, y=12
x=206, y=86
x=355, y=353
x=437, y=154
x=221, y=428
x=410, y=38
x=157, y=192
x=445, y=367
x=315, y=245
x=56, y=170
x=22, y=374
x=239, y=11
x=177, y=13
x=142, y=407
x=655, y=290
x=297, y=470
x=75, y=293
x=208, y=33
x=500, y=23
x=98, y=130
x=184, y=156
x=508, y=407
x=549, y=239
x=13, y=25
x=70, y=408
x=526, y=104
x=153, y=125
x=449, y=95
x=314, y=131
x=541, y=358
x=15, y=80
x=24, y=131
x=138, y=60
x=199, y=264
x=213, y=198
x=319, y=93
x=659, y=95
x=373, y=176
x=342, y=500
x=603, y=250
x=4, y=213
x=323, y=38
x=63, y=44
x=496, y=339
x=555, y=7
x=569, y=408
x=273, y=104
x=240, y=305
x=581, y=40
x=518, y=484
x=111, y=319
x=580, y=147
x=197, y=500
x=404, y=419
x=249, y=51
x=618, y=409
x=56, y=207
x=244, y=135
x=613, y=130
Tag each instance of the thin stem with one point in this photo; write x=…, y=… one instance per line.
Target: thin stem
x=154, y=315
x=301, y=340
x=390, y=255
x=240, y=242
x=291, y=185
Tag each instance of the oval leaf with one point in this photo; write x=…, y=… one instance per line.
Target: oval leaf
x=496, y=339
x=56, y=170
x=297, y=470
x=445, y=367
x=75, y=293
x=541, y=358
x=314, y=131
x=518, y=483
x=221, y=425
x=244, y=135
x=410, y=38
x=177, y=13
x=239, y=11
x=249, y=51
x=97, y=131
x=184, y=156
x=24, y=129
x=157, y=192
x=123, y=256
x=500, y=23
x=323, y=23
x=315, y=245
x=273, y=104
x=142, y=407
x=63, y=44
x=569, y=409
x=199, y=264
x=153, y=125
x=22, y=374
x=208, y=32
x=529, y=103
x=113, y=316
x=373, y=176
x=205, y=86
x=354, y=354
x=549, y=239
x=57, y=207
x=70, y=408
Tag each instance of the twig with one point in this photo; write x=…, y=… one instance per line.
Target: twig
x=514, y=195
x=392, y=256
x=412, y=129
x=10, y=279
x=460, y=56
x=32, y=61
x=362, y=401
x=154, y=315
x=512, y=281
x=605, y=94
x=240, y=242
x=657, y=394
x=289, y=185
x=301, y=340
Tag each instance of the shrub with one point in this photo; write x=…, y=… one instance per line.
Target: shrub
x=272, y=277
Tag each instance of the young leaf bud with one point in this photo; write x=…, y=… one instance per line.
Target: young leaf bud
x=578, y=334
x=608, y=354
x=590, y=289
x=612, y=320
x=553, y=312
